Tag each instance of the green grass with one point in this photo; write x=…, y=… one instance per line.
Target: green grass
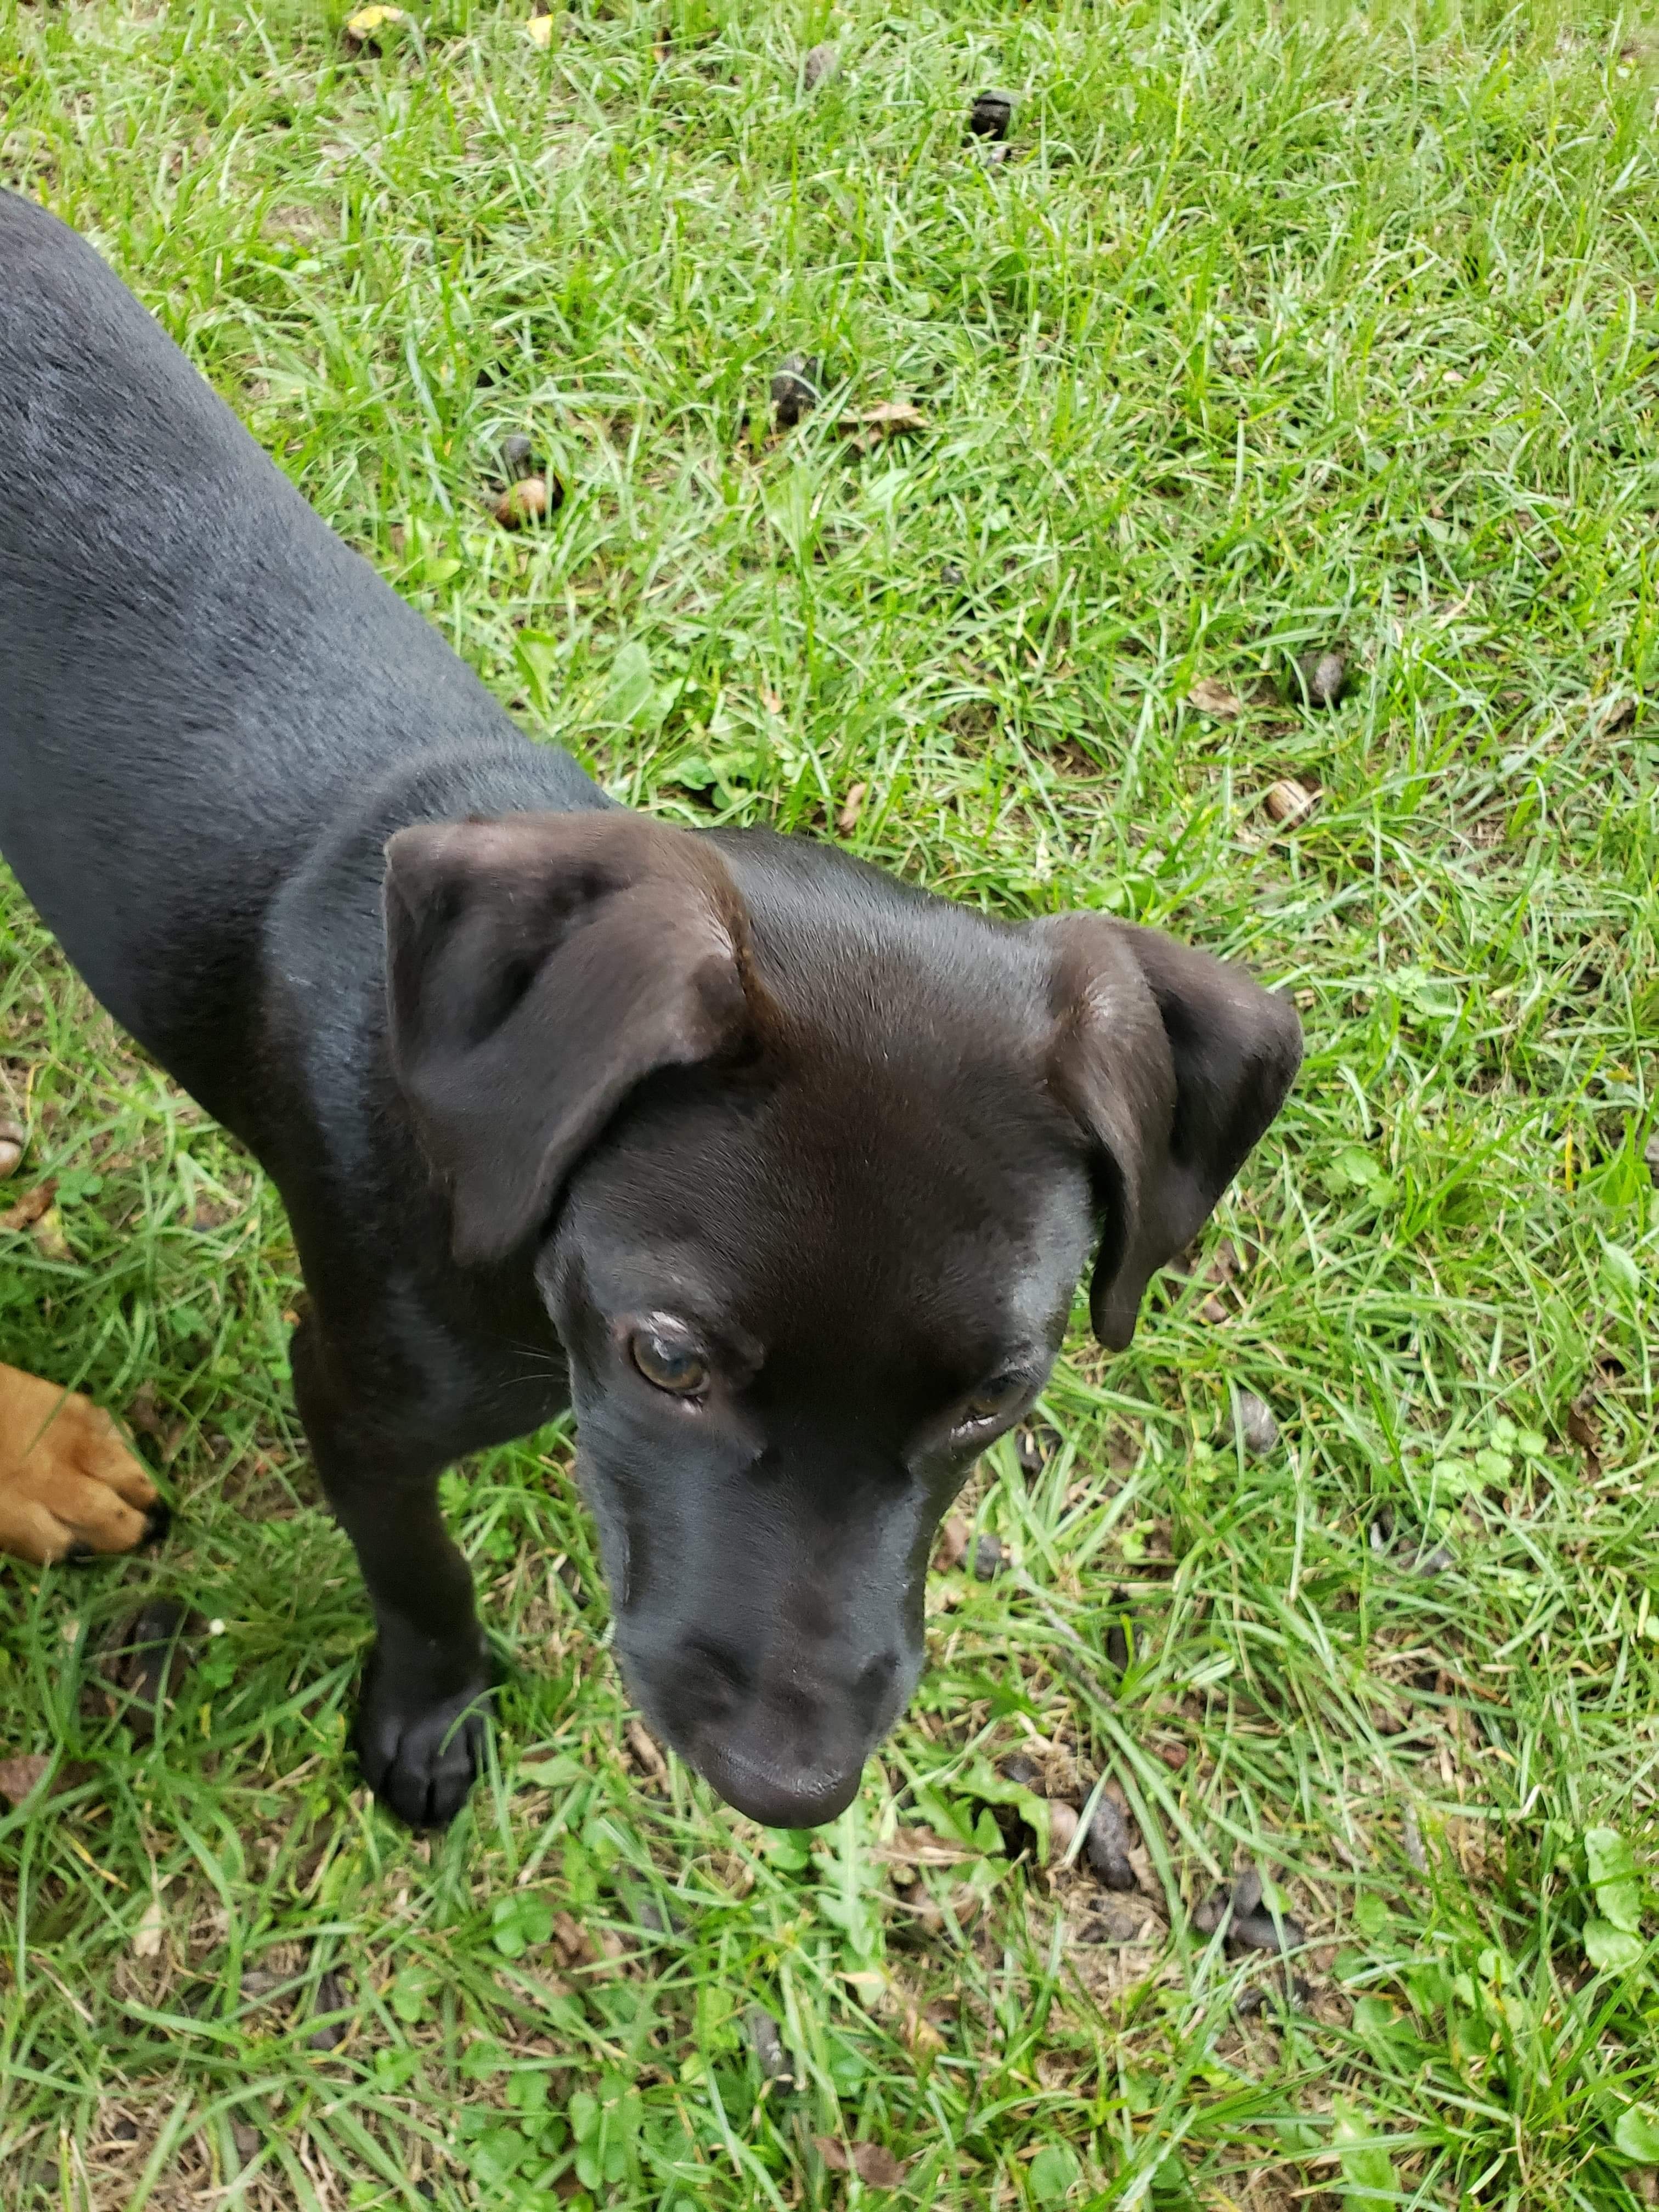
x=1281, y=327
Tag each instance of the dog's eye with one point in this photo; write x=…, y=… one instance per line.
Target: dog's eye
x=668, y=1363
x=994, y=1400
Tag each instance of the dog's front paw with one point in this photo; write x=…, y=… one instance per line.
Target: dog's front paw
x=69, y=1486
x=420, y=1755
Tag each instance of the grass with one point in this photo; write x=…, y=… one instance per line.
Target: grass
x=1279, y=329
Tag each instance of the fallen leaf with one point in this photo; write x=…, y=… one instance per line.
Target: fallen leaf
x=953, y=1544
x=21, y=1777
x=1211, y=697
x=1289, y=802
x=147, y=1936
x=833, y=2153
x=893, y=418
x=572, y=1945
x=30, y=1207
x=876, y=2165
x=539, y=30
x=921, y=1847
x=853, y=806
x=772, y=703
x=361, y=27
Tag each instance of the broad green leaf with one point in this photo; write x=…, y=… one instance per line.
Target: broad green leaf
x=1607, y=1856
x=411, y=1993
x=520, y=1920
x=1370, y=1914
x=1054, y=2174
x=1368, y=2175
x=1636, y=2137
x=496, y=2157
x=1610, y=1950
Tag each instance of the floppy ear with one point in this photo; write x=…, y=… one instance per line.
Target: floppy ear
x=1175, y=1064
x=538, y=968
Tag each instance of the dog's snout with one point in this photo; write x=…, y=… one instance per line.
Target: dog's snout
x=785, y=1744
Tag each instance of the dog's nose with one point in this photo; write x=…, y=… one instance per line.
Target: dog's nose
x=779, y=1794
x=787, y=1752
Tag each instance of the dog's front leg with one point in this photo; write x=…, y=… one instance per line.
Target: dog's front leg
x=420, y=1718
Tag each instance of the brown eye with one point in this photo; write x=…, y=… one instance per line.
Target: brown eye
x=995, y=1401
x=668, y=1363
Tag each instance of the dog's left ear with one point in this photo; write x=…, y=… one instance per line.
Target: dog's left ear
x=538, y=968
x=1175, y=1064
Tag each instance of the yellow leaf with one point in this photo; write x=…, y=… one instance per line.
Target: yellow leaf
x=539, y=30
x=367, y=20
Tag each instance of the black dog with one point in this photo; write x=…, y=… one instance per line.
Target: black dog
x=782, y=1174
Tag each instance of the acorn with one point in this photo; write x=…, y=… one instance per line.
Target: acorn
x=533, y=499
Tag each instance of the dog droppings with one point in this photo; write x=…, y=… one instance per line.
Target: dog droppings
x=1258, y=1430
x=1289, y=804
x=331, y=1998
x=1321, y=679
x=518, y=457
x=822, y=60
x=145, y=1655
x=795, y=389
x=533, y=499
x=990, y=1557
x=767, y=2039
x=1032, y=1448
x=991, y=114
x=1106, y=1846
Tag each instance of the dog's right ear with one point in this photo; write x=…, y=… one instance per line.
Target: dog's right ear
x=538, y=968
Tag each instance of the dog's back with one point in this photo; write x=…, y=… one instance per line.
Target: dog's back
x=196, y=675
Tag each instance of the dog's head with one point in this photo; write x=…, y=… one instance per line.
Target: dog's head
x=808, y=1166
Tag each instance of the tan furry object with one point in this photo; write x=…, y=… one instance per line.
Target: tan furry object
x=67, y=1481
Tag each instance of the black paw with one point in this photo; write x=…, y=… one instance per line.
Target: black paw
x=419, y=1756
